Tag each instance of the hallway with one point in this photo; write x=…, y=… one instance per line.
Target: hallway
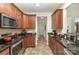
x=41, y=49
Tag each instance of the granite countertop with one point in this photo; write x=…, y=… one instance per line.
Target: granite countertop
x=69, y=45
x=3, y=47
x=30, y=33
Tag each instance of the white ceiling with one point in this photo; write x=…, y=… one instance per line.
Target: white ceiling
x=44, y=7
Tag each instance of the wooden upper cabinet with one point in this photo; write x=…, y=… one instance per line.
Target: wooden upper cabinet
x=8, y=9
x=12, y=10
x=29, y=21
x=25, y=22
x=57, y=19
x=19, y=17
x=32, y=21
x=4, y=8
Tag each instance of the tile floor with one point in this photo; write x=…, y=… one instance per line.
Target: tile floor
x=41, y=49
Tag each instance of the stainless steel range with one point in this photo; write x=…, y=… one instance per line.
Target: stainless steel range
x=16, y=48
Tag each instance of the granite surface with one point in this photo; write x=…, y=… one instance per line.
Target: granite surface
x=69, y=45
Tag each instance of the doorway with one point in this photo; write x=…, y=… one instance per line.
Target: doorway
x=41, y=29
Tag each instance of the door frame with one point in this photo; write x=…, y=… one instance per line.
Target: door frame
x=37, y=28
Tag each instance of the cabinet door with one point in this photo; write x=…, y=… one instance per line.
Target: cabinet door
x=11, y=9
x=54, y=46
x=59, y=49
x=32, y=21
x=49, y=40
x=25, y=22
x=18, y=18
x=53, y=21
x=58, y=19
x=32, y=40
x=4, y=8
x=21, y=20
x=25, y=42
x=7, y=8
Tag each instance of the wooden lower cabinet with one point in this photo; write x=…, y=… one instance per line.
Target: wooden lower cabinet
x=29, y=40
x=60, y=49
x=55, y=46
x=5, y=52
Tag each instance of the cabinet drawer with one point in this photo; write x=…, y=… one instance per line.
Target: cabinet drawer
x=5, y=52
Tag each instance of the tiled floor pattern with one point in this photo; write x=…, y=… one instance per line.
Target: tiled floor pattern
x=41, y=49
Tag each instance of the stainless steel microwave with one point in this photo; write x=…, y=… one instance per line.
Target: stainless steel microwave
x=7, y=21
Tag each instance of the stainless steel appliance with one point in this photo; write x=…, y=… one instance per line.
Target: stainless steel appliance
x=7, y=21
x=16, y=49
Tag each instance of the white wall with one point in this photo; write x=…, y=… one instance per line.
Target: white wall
x=72, y=16
x=64, y=6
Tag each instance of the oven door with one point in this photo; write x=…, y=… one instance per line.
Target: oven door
x=16, y=48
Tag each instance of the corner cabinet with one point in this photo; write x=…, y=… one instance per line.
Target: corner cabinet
x=57, y=19
x=29, y=21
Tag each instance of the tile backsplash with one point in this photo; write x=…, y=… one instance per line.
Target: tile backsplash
x=3, y=31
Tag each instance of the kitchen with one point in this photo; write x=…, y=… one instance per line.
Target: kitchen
x=19, y=29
